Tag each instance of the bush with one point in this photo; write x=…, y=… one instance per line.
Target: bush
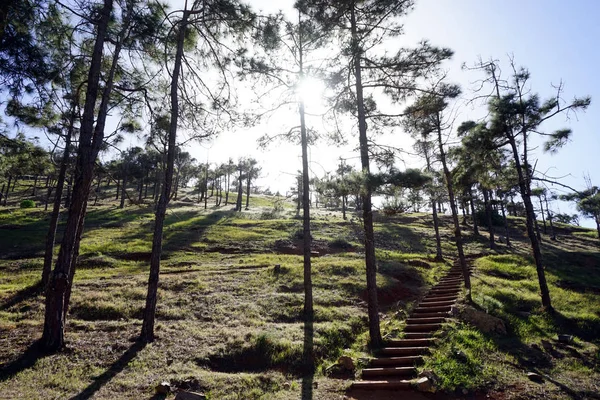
x=27, y=204
x=497, y=219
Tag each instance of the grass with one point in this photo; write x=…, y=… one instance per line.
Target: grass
x=229, y=323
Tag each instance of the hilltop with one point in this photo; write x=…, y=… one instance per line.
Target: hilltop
x=230, y=302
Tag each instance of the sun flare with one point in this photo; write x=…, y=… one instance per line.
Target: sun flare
x=310, y=90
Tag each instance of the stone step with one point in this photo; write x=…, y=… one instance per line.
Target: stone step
x=388, y=371
x=431, y=309
x=425, y=320
x=418, y=335
x=396, y=361
x=431, y=315
x=403, y=351
x=448, y=283
x=434, y=298
x=390, y=384
x=451, y=285
x=448, y=292
x=423, y=327
x=429, y=304
x=409, y=342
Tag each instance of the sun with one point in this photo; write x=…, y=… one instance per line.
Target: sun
x=310, y=90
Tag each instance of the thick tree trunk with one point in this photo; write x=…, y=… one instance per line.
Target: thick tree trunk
x=488, y=216
x=90, y=141
x=457, y=234
x=147, y=333
x=54, y=216
x=370, y=260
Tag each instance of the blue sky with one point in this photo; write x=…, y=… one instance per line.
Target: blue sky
x=554, y=39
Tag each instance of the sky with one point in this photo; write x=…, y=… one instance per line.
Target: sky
x=555, y=40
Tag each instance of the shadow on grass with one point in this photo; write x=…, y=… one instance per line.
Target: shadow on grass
x=22, y=295
x=308, y=355
x=25, y=361
x=111, y=372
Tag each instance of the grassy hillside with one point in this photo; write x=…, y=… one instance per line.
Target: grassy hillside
x=229, y=320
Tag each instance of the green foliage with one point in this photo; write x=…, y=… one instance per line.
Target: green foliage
x=27, y=204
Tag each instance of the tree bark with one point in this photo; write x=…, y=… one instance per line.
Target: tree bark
x=147, y=333
x=60, y=183
x=90, y=141
x=552, y=233
x=370, y=260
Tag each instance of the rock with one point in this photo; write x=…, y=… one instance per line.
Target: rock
x=524, y=314
x=286, y=386
x=183, y=395
x=316, y=385
x=163, y=388
x=346, y=362
x=482, y=320
x=277, y=268
x=535, y=377
x=565, y=338
x=461, y=356
x=424, y=384
x=547, y=346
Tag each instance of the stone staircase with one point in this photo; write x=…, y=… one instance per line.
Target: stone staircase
x=396, y=363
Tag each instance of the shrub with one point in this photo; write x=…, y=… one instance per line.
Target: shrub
x=27, y=204
x=497, y=219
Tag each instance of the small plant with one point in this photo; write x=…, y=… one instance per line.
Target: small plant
x=27, y=204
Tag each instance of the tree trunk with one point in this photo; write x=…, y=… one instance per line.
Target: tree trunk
x=248, y=181
x=473, y=215
x=227, y=189
x=141, y=192
x=7, y=189
x=90, y=141
x=69, y=190
x=543, y=217
x=238, y=203
x=54, y=216
x=123, y=190
x=370, y=260
x=552, y=233
x=506, y=231
x=436, y=226
x=488, y=216
x=35, y=179
x=118, y=189
x=308, y=290
x=530, y=220
x=147, y=334
x=457, y=233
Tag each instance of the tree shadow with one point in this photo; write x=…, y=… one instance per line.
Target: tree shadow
x=308, y=351
x=26, y=360
x=111, y=372
x=22, y=295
